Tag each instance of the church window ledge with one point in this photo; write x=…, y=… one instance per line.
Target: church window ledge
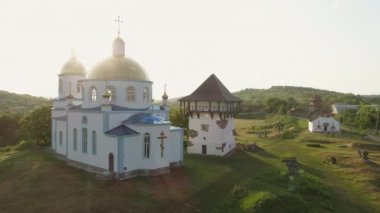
x=146, y=145
x=131, y=94
x=60, y=137
x=93, y=94
x=79, y=86
x=84, y=140
x=75, y=139
x=94, y=142
x=146, y=95
x=84, y=120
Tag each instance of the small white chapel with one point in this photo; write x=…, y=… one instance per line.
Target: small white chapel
x=324, y=124
x=104, y=121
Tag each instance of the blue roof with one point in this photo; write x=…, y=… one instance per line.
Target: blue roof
x=145, y=118
x=121, y=130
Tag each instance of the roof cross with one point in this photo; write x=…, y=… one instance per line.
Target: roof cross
x=119, y=21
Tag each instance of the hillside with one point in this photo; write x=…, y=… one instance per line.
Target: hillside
x=296, y=100
x=32, y=180
x=303, y=95
x=11, y=103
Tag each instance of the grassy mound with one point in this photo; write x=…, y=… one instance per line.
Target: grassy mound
x=263, y=201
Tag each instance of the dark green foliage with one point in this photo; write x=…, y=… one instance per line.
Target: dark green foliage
x=36, y=126
x=277, y=105
x=285, y=99
x=263, y=201
x=177, y=118
x=9, y=129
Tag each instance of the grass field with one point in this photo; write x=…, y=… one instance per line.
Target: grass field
x=32, y=180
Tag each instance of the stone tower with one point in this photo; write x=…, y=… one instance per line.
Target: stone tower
x=211, y=109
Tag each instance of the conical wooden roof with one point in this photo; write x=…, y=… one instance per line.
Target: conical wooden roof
x=211, y=90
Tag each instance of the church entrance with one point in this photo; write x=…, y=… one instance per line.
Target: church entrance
x=110, y=162
x=204, y=149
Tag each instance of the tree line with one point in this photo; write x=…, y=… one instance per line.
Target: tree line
x=286, y=99
x=365, y=118
x=32, y=126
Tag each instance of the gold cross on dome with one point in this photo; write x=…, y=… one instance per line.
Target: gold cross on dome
x=119, y=21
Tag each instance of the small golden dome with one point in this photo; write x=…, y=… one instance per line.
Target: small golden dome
x=73, y=66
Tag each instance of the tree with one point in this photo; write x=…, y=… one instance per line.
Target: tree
x=277, y=105
x=9, y=129
x=177, y=118
x=364, y=118
x=36, y=126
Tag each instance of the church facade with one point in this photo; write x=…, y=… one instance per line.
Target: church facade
x=105, y=122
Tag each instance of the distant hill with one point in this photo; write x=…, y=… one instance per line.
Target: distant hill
x=303, y=95
x=16, y=103
x=258, y=97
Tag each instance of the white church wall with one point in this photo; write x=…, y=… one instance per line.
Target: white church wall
x=61, y=140
x=104, y=144
x=134, y=150
x=214, y=137
x=175, y=145
x=74, y=80
x=120, y=88
x=317, y=125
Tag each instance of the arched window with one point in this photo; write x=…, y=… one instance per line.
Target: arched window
x=93, y=142
x=60, y=86
x=75, y=139
x=84, y=140
x=146, y=95
x=79, y=86
x=84, y=120
x=93, y=94
x=146, y=145
x=60, y=137
x=131, y=94
x=111, y=90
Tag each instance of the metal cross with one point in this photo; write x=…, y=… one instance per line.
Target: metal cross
x=119, y=21
x=162, y=137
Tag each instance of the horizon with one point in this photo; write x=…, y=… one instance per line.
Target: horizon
x=329, y=45
x=181, y=96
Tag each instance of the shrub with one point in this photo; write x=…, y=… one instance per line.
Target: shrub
x=263, y=201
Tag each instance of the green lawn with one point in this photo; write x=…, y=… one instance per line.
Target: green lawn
x=32, y=180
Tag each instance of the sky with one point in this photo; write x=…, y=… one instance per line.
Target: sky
x=325, y=44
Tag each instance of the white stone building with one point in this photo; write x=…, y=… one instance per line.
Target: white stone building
x=211, y=109
x=324, y=124
x=105, y=121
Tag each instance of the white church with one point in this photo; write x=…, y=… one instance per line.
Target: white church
x=211, y=109
x=105, y=122
x=324, y=124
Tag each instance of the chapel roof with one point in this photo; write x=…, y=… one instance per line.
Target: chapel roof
x=212, y=89
x=145, y=118
x=121, y=130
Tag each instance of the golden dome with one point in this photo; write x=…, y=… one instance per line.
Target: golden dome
x=73, y=66
x=118, y=68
